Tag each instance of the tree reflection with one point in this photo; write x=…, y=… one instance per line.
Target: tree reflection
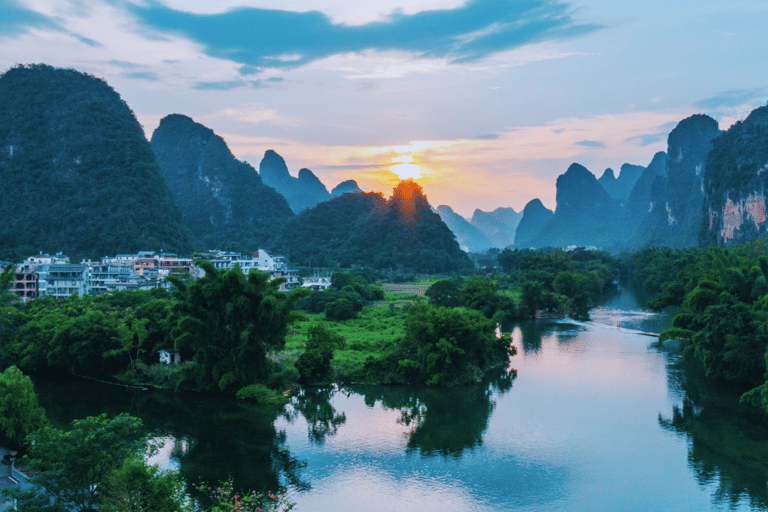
x=322, y=418
x=222, y=437
x=531, y=334
x=728, y=443
x=446, y=421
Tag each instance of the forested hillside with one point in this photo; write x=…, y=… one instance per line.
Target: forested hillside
x=76, y=173
x=366, y=229
x=222, y=200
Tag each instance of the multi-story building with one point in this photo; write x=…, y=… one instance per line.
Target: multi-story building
x=103, y=273
x=65, y=279
x=32, y=275
x=260, y=260
x=25, y=285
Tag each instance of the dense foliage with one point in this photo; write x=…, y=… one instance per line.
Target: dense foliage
x=71, y=467
x=314, y=364
x=227, y=322
x=723, y=311
x=76, y=173
x=450, y=345
x=20, y=413
x=366, y=229
x=568, y=282
x=91, y=336
x=479, y=293
x=348, y=293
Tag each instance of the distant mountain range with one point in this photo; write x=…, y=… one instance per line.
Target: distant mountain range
x=78, y=175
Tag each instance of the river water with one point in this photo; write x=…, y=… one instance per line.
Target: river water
x=598, y=418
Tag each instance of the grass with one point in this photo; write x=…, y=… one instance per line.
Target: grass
x=376, y=328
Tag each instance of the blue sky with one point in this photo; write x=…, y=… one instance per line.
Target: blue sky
x=486, y=102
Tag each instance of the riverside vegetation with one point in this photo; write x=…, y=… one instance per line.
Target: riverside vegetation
x=240, y=336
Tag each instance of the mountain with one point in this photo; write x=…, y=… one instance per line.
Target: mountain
x=320, y=236
x=346, y=187
x=620, y=188
x=366, y=229
x=677, y=215
x=302, y=192
x=535, y=217
x=641, y=200
x=469, y=237
x=221, y=199
x=735, y=180
x=76, y=172
x=498, y=226
x=585, y=215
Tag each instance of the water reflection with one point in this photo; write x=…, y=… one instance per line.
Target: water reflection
x=442, y=422
x=322, y=418
x=531, y=332
x=728, y=442
x=207, y=438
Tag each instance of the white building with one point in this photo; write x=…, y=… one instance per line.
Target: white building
x=260, y=260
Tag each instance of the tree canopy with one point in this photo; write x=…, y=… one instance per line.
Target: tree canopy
x=227, y=322
x=20, y=413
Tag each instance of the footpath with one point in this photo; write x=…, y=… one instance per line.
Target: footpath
x=6, y=481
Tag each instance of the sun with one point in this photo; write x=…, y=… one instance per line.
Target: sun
x=405, y=169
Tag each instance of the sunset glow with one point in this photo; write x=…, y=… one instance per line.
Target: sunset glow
x=482, y=114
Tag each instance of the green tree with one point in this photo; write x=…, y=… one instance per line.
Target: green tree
x=482, y=294
x=444, y=293
x=228, y=322
x=139, y=487
x=576, y=287
x=340, y=309
x=71, y=468
x=450, y=345
x=532, y=297
x=19, y=410
x=314, y=364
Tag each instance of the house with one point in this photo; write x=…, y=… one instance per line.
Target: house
x=169, y=356
x=260, y=260
x=65, y=279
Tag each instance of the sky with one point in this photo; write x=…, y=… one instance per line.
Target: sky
x=484, y=102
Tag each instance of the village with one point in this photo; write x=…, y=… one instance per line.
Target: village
x=56, y=276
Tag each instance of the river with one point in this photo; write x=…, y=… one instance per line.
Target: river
x=598, y=418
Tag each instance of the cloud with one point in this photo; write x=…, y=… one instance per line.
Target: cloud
x=253, y=113
x=730, y=99
x=228, y=85
x=267, y=38
x=142, y=75
x=275, y=79
x=488, y=136
x=590, y=144
x=17, y=20
x=648, y=139
x=88, y=41
x=124, y=64
x=356, y=167
x=247, y=69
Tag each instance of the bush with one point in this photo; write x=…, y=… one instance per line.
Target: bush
x=341, y=309
x=261, y=394
x=314, y=364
